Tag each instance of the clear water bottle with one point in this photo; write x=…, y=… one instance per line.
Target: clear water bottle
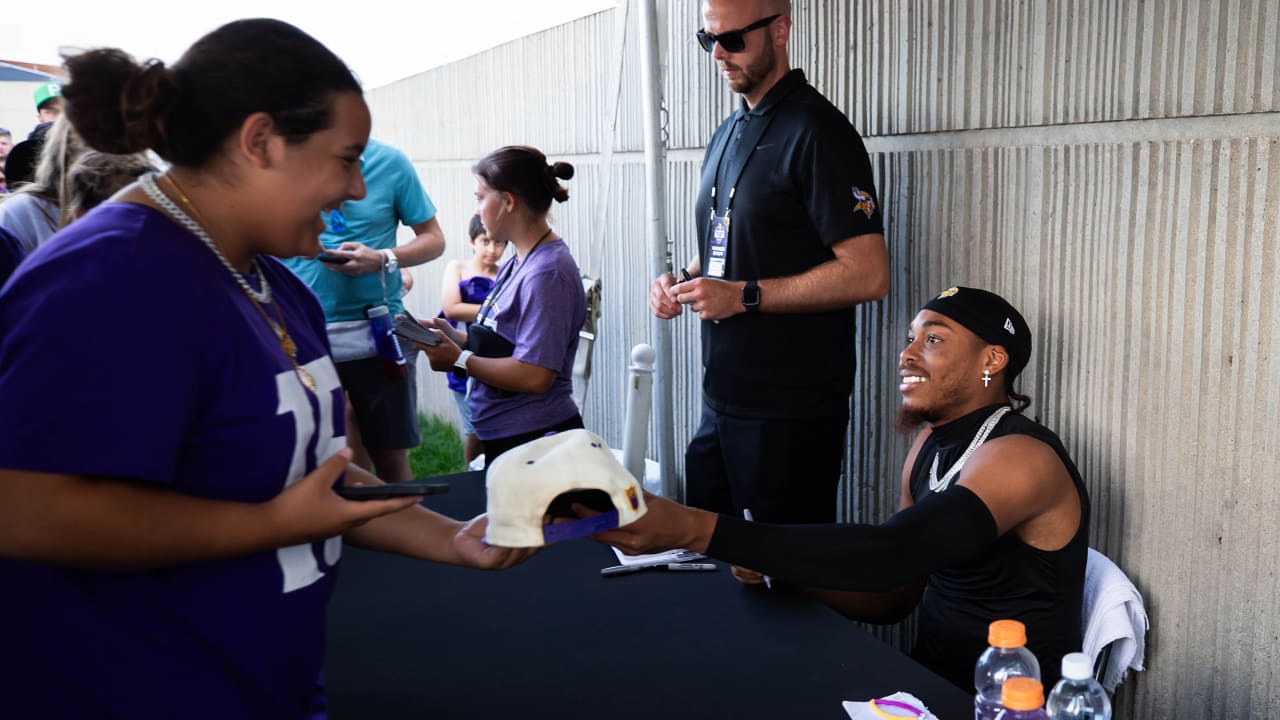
x=1077, y=696
x=385, y=340
x=1022, y=698
x=1008, y=657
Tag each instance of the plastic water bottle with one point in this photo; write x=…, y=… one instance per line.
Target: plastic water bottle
x=385, y=341
x=1008, y=657
x=1077, y=696
x=1023, y=699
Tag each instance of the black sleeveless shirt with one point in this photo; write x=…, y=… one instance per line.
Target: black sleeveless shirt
x=1042, y=589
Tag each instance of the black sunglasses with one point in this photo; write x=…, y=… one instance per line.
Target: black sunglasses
x=731, y=40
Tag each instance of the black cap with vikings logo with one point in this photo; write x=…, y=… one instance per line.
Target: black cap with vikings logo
x=991, y=318
x=543, y=478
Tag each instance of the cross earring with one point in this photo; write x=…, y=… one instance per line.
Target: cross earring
x=986, y=378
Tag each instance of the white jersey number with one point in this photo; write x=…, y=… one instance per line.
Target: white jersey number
x=299, y=564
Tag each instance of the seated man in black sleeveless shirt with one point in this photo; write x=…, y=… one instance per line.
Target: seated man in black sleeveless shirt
x=994, y=516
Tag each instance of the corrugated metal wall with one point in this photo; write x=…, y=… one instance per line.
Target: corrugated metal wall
x=1106, y=164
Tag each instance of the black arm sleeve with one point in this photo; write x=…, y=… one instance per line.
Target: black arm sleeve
x=943, y=530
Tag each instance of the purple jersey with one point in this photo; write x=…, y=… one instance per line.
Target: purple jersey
x=127, y=350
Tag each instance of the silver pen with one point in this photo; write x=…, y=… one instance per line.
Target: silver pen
x=746, y=515
x=683, y=566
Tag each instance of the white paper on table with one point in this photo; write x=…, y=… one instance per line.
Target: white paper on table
x=661, y=558
x=862, y=710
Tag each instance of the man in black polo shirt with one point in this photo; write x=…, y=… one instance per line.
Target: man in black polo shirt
x=790, y=239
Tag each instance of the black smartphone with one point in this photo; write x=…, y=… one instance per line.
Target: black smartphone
x=328, y=257
x=392, y=490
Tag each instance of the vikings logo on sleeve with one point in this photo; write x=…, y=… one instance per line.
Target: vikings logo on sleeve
x=865, y=203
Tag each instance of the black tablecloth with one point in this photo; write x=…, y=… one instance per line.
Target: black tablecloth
x=552, y=638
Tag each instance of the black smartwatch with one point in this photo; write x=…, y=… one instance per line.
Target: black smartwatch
x=751, y=296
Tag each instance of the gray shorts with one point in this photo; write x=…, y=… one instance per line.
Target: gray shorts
x=385, y=408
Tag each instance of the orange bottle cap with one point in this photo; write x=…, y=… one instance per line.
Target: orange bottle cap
x=1006, y=634
x=1022, y=693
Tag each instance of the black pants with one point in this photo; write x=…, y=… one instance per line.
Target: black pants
x=497, y=446
x=784, y=471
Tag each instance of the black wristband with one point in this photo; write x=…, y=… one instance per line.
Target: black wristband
x=751, y=296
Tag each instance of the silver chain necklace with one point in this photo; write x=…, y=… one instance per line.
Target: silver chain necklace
x=153, y=191
x=937, y=485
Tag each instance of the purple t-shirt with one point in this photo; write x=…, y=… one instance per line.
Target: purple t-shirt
x=540, y=308
x=127, y=350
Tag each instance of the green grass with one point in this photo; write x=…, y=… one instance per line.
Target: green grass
x=441, y=450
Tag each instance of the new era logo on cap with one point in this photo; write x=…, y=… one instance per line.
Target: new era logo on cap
x=1008, y=325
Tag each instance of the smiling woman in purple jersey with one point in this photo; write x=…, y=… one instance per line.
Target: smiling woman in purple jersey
x=169, y=533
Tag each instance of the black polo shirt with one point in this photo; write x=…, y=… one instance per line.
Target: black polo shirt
x=801, y=182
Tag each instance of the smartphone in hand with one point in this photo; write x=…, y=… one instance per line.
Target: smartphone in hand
x=333, y=258
x=392, y=490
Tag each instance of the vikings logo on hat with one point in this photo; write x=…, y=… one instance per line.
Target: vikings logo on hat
x=866, y=204
x=948, y=292
x=544, y=478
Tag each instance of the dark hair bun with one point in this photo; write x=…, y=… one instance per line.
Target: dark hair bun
x=187, y=112
x=562, y=170
x=116, y=105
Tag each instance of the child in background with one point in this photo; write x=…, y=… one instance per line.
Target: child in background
x=465, y=286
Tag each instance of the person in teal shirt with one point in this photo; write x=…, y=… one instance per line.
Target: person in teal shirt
x=360, y=240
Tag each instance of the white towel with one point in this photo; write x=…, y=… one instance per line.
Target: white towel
x=1113, y=613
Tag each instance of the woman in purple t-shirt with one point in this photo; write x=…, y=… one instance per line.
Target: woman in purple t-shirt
x=169, y=530
x=519, y=352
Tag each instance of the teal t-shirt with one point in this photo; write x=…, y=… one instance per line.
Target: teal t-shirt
x=394, y=197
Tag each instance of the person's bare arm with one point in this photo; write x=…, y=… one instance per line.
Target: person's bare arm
x=505, y=373
x=451, y=295
x=427, y=245
x=125, y=525
x=1027, y=489
x=858, y=273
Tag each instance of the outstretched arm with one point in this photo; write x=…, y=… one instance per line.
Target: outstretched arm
x=881, y=607
x=122, y=525
x=945, y=530
x=426, y=535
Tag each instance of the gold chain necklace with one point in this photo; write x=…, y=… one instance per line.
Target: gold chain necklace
x=197, y=226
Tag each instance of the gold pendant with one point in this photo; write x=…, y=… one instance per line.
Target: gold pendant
x=308, y=381
x=287, y=344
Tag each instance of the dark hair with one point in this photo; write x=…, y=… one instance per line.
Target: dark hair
x=1020, y=402
x=476, y=228
x=523, y=171
x=186, y=112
